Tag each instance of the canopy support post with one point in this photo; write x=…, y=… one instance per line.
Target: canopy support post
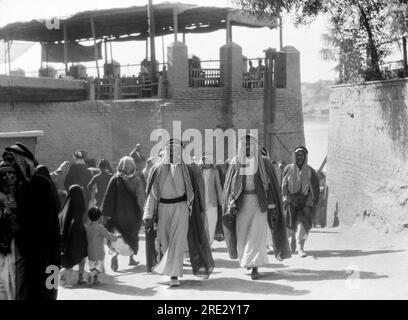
x=111, y=50
x=150, y=15
x=163, y=55
x=184, y=38
x=404, y=50
x=9, y=59
x=106, y=50
x=5, y=56
x=65, y=31
x=175, y=21
x=228, y=27
x=280, y=33
x=95, y=46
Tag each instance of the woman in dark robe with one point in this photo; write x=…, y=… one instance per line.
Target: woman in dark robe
x=38, y=239
x=79, y=174
x=122, y=207
x=43, y=171
x=73, y=233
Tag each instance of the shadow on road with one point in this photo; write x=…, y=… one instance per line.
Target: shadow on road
x=109, y=284
x=317, y=275
x=123, y=289
x=323, y=231
x=234, y=264
x=240, y=285
x=347, y=253
x=141, y=268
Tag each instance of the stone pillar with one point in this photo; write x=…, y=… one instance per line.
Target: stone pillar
x=177, y=74
x=293, y=80
x=231, y=66
x=91, y=89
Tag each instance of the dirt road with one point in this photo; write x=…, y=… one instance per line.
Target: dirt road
x=352, y=263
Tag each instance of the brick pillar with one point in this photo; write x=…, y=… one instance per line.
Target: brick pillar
x=177, y=75
x=231, y=66
x=231, y=78
x=293, y=81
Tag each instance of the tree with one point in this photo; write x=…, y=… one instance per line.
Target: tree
x=357, y=35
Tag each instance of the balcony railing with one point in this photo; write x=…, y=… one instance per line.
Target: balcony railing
x=125, y=87
x=253, y=79
x=205, y=78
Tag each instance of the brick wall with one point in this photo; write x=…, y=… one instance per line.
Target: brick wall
x=288, y=127
x=110, y=129
x=67, y=126
x=367, y=165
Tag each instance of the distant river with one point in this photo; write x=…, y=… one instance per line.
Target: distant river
x=316, y=135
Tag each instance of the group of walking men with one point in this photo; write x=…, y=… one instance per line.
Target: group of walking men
x=184, y=207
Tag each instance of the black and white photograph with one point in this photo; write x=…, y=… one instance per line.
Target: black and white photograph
x=220, y=151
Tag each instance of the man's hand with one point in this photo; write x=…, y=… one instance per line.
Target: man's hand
x=148, y=223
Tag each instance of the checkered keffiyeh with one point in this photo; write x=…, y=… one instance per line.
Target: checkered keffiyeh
x=25, y=165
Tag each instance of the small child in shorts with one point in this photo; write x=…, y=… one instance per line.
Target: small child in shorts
x=96, y=233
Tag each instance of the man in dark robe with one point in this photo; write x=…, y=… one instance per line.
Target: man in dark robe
x=174, y=208
x=252, y=202
x=38, y=240
x=79, y=174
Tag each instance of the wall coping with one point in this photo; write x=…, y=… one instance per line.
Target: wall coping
x=22, y=134
x=369, y=83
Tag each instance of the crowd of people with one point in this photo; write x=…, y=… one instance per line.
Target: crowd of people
x=65, y=217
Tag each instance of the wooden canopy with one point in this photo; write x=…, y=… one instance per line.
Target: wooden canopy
x=131, y=23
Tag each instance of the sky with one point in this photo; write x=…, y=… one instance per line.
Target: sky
x=307, y=39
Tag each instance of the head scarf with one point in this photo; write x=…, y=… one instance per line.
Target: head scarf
x=254, y=163
x=164, y=162
x=43, y=171
x=24, y=159
x=126, y=168
x=79, y=157
x=240, y=166
x=298, y=179
x=177, y=147
x=209, y=164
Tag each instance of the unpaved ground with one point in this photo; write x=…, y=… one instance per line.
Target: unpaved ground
x=352, y=263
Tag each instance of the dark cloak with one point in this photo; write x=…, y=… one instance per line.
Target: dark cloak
x=276, y=220
x=297, y=211
x=219, y=231
x=122, y=209
x=101, y=180
x=201, y=259
x=38, y=238
x=43, y=170
x=73, y=233
x=79, y=174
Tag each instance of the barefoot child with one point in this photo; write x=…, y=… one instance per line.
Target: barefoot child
x=95, y=234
